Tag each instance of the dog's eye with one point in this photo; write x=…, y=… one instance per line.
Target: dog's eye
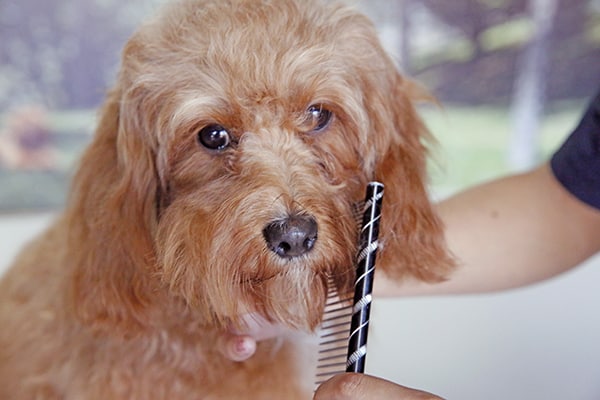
x=319, y=117
x=214, y=137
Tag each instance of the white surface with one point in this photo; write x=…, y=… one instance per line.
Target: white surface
x=541, y=342
x=15, y=231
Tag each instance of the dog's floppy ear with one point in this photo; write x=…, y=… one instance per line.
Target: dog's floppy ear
x=393, y=152
x=411, y=232
x=112, y=213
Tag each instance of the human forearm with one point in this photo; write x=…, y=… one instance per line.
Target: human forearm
x=508, y=233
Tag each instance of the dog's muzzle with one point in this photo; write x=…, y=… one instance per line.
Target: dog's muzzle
x=291, y=237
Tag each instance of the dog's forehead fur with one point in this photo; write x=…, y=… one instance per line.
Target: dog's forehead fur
x=260, y=40
x=203, y=59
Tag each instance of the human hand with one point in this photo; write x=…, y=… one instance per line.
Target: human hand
x=241, y=345
x=361, y=386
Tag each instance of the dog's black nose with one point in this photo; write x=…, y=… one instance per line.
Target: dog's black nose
x=291, y=237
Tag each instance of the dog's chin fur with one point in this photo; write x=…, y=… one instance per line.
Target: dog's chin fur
x=161, y=247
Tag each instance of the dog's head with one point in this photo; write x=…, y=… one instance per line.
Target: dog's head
x=230, y=158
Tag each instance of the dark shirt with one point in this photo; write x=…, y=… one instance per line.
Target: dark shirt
x=576, y=164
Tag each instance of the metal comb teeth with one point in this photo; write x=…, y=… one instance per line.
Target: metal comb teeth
x=344, y=329
x=333, y=334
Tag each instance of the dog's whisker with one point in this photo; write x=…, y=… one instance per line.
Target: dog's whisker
x=276, y=199
x=258, y=281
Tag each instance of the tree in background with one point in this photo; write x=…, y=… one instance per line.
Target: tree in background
x=529, y=95
x=468, y=51
x=62, y=53
x=523, y=54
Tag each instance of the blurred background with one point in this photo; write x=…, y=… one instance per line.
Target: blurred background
x=513, y=77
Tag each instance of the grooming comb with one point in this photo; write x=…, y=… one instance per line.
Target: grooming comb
x=343, y=317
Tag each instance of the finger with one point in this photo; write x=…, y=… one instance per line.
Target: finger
x=236, y=347
x=362, y=387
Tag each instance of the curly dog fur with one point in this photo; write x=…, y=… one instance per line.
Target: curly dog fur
x=227, y=116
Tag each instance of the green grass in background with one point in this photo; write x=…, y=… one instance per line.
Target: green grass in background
x=473, y=142
x=73, y=121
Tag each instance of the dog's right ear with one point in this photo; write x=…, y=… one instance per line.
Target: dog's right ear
x=411, y=232
x=112, y=212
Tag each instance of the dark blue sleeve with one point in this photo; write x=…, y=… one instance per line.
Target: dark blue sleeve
x=576, y=164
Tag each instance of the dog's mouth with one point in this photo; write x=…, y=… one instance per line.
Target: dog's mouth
x=255, y=281
x=294, y=299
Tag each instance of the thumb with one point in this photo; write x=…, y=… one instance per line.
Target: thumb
x=363, y=387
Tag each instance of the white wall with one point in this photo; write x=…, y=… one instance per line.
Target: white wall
x=541, y=342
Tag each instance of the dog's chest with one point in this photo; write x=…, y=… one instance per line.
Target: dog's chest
x=280, y=369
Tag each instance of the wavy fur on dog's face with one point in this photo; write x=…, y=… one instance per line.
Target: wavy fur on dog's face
x=303, y=108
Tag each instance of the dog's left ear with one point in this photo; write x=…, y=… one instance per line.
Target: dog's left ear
x=411, y=233
x=112, y=215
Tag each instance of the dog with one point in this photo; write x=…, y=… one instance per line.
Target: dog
x=222, y=180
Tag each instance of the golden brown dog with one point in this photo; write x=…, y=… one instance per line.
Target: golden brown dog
x=221, y=180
